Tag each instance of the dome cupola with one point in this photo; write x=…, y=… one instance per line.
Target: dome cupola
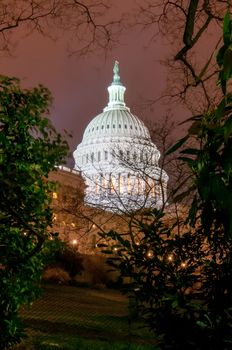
x=116, y=92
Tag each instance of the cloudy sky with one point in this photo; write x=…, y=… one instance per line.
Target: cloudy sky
x=79, y=84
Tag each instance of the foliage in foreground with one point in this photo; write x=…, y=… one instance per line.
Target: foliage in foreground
x=181, y=279
x=29, y=149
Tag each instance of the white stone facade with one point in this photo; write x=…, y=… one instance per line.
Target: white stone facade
x=118, y=160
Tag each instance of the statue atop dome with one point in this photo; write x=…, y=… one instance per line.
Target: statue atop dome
x=116, y=79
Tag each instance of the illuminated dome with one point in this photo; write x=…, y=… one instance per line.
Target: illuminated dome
x=115, y=123
x=118, y=159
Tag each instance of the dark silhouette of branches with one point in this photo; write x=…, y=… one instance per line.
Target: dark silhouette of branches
x=87, y=22
x=187, y=25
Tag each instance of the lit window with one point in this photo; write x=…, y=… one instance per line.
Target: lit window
x=54, y=195
x=139, y=185
x=104, y=182
x=129, y=184
x=97, y=187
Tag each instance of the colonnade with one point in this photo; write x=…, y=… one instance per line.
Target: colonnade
x=125, y=184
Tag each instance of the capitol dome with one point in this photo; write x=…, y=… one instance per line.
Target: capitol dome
x=118, y=159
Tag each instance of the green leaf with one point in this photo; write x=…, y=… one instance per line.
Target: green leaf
x=187, y=160
x=193, y=212
x=220, y=55
x=220, y=109
x=195, y=127
x=227, y=64
x=206, y=66
x=177, y=145
x=193, y=151
x=228, y=128
x=227, y=29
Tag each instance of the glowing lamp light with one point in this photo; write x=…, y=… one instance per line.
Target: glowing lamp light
x=54, y=195
x=74, y=241
x=170, y=258
x=183, y=264
x=115, y=249
x=149, y=254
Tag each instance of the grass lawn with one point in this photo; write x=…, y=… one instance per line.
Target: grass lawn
x=72, y=318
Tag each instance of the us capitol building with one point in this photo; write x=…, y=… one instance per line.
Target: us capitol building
x=116, y=175
x=118, y=160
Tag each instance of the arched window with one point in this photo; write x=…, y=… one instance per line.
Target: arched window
x=97, y=185
x=129, y=184
x=120, y=184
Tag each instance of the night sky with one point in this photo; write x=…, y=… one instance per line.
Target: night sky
x=79, y=84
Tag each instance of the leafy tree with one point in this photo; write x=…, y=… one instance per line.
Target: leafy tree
x=181, y=279
x=29, y=148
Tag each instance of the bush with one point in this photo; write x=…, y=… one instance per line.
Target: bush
x=69, y=259
x=56, y=275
